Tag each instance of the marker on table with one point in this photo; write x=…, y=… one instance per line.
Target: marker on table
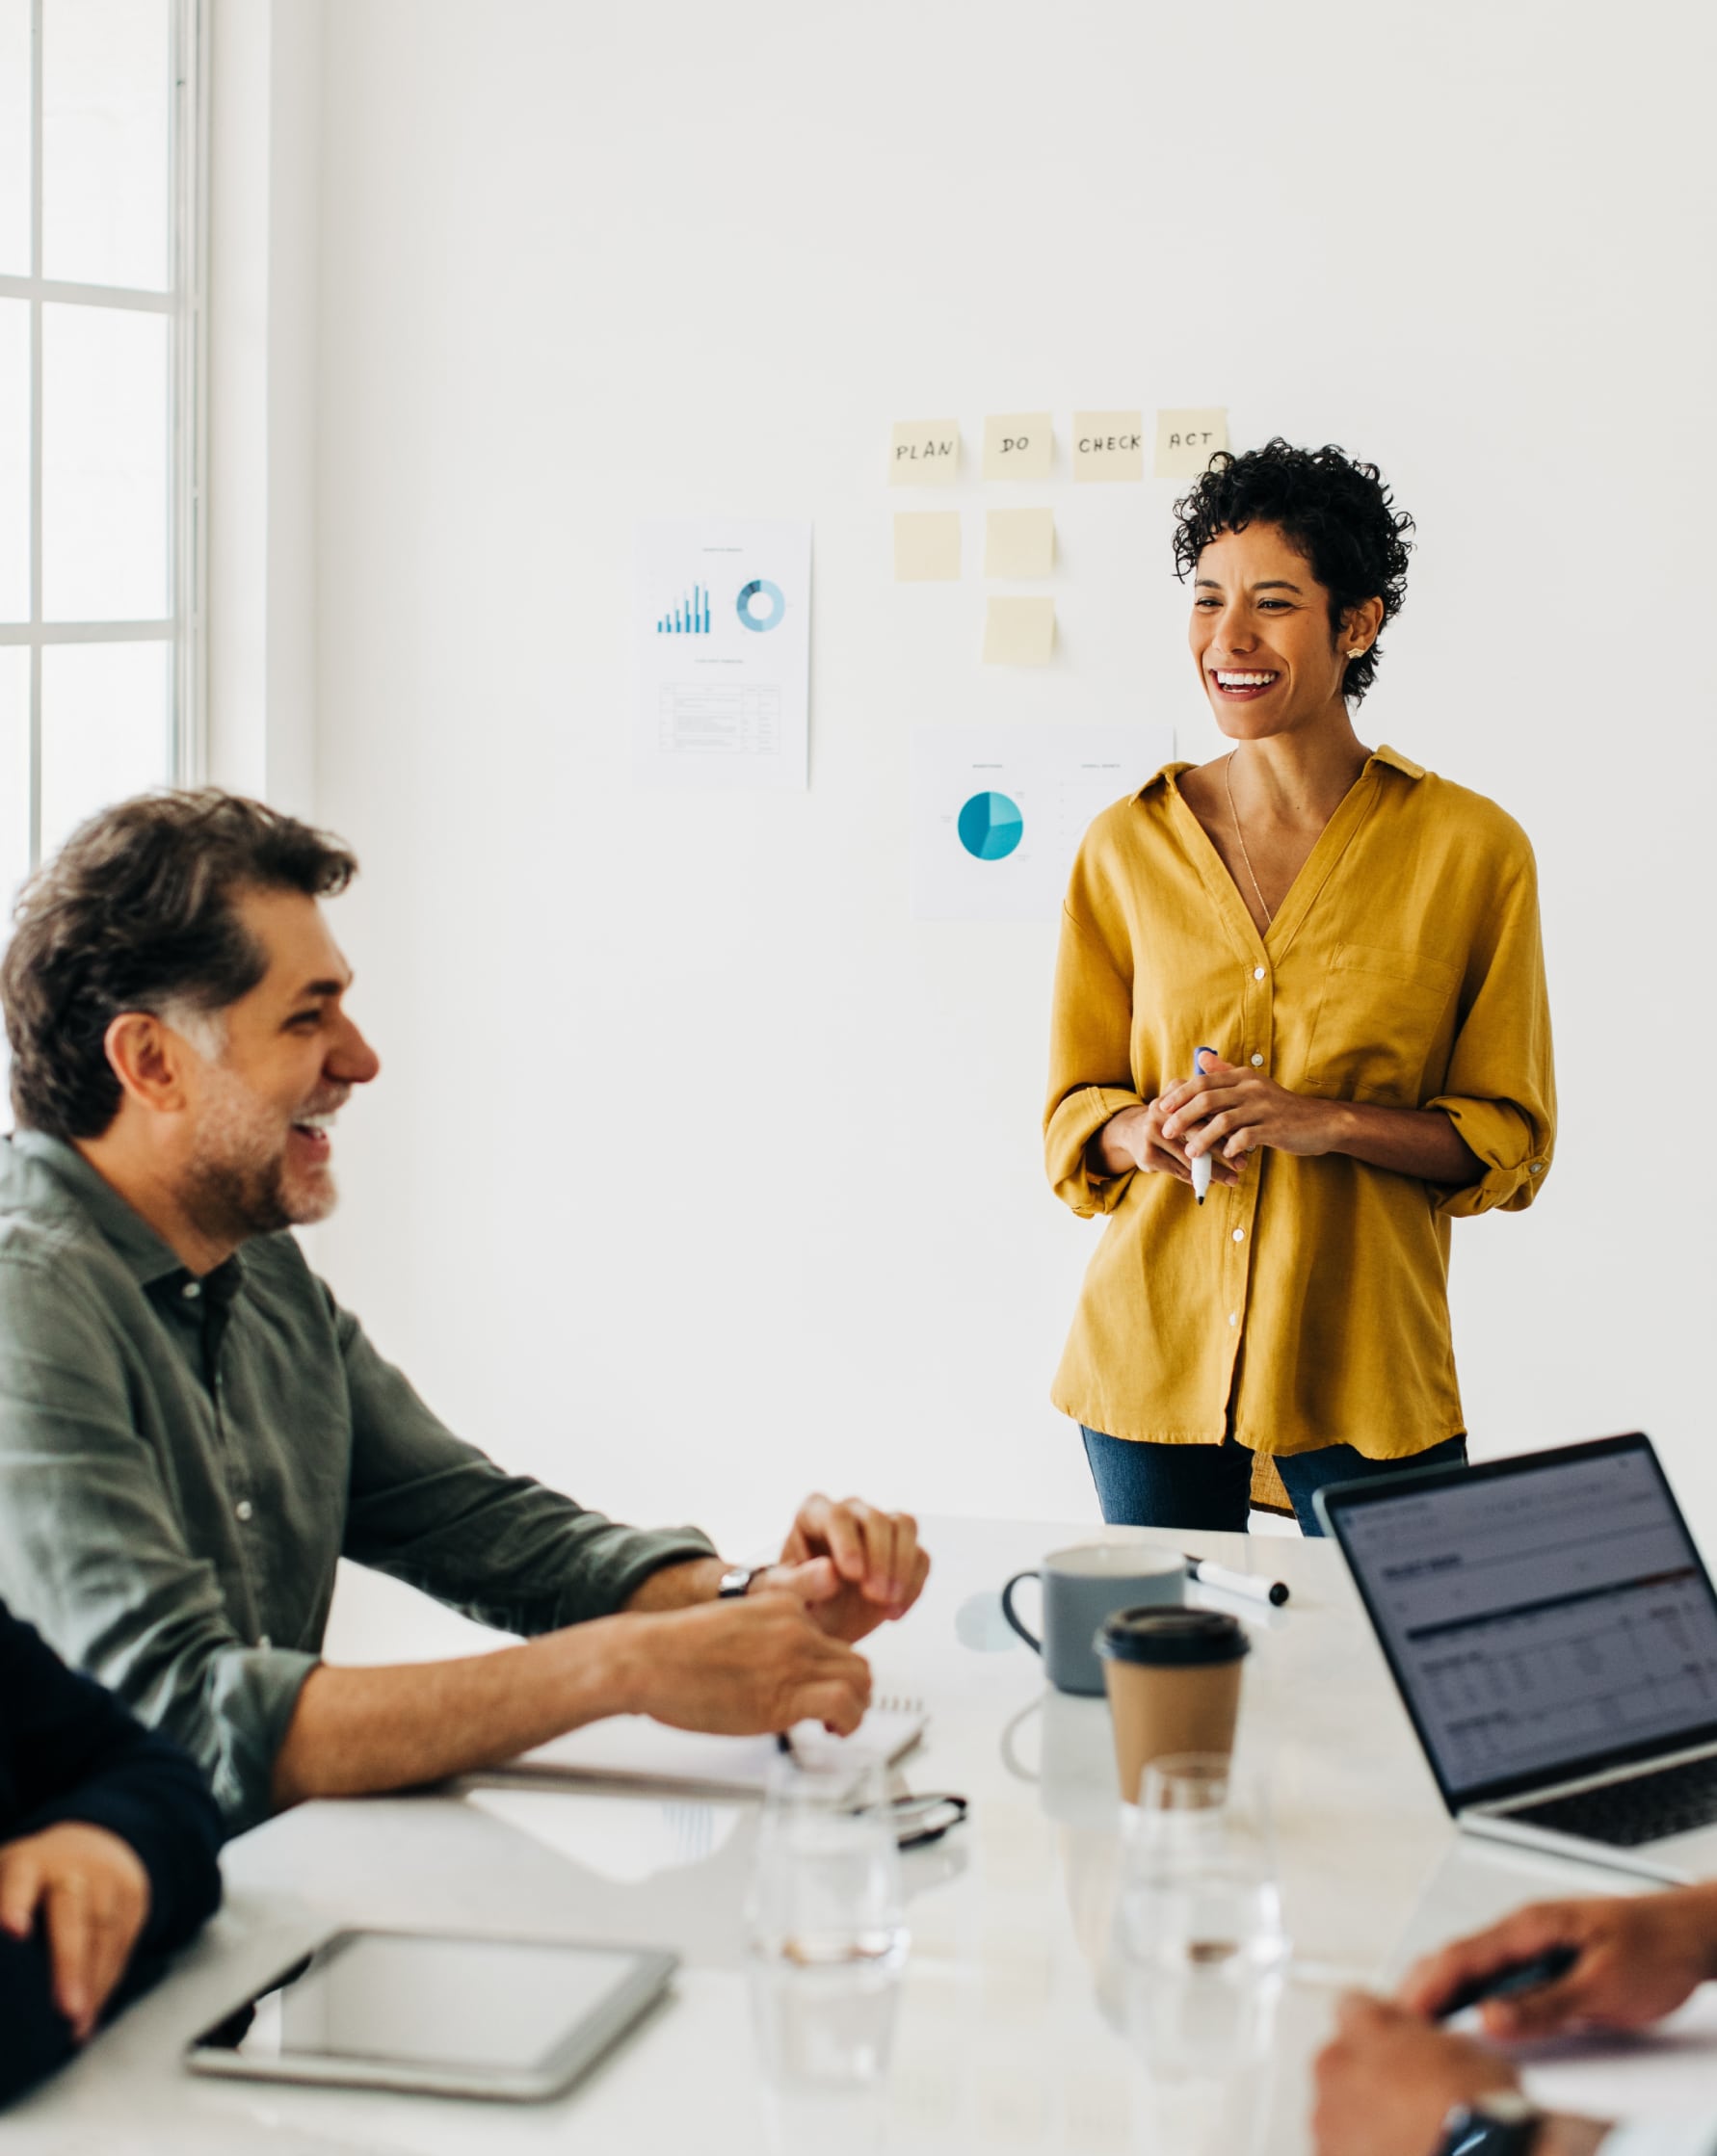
x=1247, y=1584
x=1201, y=1162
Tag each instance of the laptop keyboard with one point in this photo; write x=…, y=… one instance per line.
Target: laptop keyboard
x=1675, y=1800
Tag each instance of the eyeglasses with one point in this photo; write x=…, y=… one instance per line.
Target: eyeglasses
x=920, y=1821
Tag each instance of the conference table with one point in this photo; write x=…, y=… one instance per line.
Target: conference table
x=1006, y=2037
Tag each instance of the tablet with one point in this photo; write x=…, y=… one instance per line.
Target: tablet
x=437, y=2015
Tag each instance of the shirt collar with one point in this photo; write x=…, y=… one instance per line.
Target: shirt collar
x=127, y=1233
x=1382, y=754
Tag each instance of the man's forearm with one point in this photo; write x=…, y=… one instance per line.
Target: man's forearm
x=677, y=1587
x=360, y=1731
x=1562, y=2136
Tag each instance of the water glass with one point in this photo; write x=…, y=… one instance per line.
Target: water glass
x=826, y=1929
x=1200, y=1870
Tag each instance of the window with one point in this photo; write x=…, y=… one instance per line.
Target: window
x=101, y=122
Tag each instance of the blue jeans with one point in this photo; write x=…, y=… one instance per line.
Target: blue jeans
x=1210, y=1486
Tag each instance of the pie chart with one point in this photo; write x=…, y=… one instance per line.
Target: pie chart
x=991, y=827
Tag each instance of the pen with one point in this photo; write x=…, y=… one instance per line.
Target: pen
x=1201, y=1162
x=1506, y=1982
x=1273, y=1592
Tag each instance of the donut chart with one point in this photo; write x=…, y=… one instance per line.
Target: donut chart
x=991, y=827
x=760, y=587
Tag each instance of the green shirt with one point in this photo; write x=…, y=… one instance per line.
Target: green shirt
x=183, y=1461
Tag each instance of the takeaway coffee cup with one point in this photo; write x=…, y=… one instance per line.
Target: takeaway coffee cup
x=1173, y=1684
x=1081, y=1587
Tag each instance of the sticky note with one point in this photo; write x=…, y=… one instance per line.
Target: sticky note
x=1018, y=632
x=1019, y=543
x=926, y=545
x=926, y=452
x=1019, y=445
x=1187, y=440
x=1108, y=445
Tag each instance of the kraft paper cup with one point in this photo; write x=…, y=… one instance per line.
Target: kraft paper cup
x=1172, y=1677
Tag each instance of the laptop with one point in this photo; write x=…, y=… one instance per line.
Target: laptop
x=1552, y=1632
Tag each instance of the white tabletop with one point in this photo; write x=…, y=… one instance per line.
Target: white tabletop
x=1000, y=2040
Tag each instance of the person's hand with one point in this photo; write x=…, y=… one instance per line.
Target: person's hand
x=1640, y=1956
x=91, y=1893
x=1231, y=1112
x=1136, y=1138
x=1387, y=2079
x=749, y=1668
x=851, y=1565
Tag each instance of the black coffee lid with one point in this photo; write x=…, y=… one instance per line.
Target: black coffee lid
x=1171, y=1638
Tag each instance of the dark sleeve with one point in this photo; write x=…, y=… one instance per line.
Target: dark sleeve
x=75, y=1753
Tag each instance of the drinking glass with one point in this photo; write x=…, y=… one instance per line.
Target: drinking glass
x=1200, y=1869
x=825, y=1922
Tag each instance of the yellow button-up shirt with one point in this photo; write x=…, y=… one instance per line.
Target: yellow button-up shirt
x=1405, y=968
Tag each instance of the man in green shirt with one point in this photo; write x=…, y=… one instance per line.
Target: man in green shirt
x=191, y=1429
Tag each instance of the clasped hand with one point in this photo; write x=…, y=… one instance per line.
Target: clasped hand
x=1226, y=1112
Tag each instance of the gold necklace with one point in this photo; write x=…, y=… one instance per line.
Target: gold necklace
x=1229, y=783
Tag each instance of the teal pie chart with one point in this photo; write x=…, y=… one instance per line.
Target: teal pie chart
x=991, y=827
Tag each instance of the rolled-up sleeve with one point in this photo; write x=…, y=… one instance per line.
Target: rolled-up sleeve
x=1500, y=1090
x=92, y=1554
x=437, y=1513
x=1091, y=1076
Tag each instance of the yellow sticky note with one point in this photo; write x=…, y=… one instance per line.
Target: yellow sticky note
x=926, y=452
x=1108, y=445
x=1019, y=542
x=1018, y=632
x=1187, y=440
x=1019, y=445
x=926, y=546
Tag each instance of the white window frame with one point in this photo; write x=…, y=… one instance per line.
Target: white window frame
x=185, y=628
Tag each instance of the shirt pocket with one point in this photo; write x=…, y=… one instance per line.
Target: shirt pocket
x=1382, y=1015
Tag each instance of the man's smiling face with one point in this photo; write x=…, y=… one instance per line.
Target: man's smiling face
x=269, y=1074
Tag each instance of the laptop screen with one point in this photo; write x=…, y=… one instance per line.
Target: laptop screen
x=1543, y=1617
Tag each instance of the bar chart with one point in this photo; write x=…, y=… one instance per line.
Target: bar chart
x=688, y=616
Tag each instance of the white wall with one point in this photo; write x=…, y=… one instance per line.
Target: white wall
x=697, y=1172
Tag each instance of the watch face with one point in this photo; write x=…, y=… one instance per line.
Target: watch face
x=1502, y=2124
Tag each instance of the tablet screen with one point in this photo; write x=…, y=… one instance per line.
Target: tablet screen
x=500, y=2005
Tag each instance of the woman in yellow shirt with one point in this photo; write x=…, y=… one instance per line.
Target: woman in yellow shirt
x=1358, y=941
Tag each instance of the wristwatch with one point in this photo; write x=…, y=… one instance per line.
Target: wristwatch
x=1499, y=2123
x=737, y=1580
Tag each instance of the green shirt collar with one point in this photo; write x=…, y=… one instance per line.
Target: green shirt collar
x=123, y=1229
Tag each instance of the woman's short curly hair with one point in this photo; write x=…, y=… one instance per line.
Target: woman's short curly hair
x=1339, y=514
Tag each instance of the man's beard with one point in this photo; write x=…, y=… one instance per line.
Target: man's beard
x=236, y=1182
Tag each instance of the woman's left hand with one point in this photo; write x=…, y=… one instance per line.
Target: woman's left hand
x=1232, y=1112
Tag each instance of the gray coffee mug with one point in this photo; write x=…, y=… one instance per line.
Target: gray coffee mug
x=1081, y=1587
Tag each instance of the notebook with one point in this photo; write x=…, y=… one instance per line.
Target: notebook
x=632, y=1749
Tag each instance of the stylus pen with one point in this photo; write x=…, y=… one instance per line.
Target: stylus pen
x=1201, y=1162
x=1273, y=1592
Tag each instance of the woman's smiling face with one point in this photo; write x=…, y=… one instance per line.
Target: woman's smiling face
x=1261, y=635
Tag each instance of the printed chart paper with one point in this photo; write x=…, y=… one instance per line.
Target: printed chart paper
x=722, y=634
x=998, y=810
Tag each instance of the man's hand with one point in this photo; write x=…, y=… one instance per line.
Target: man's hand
x=747, y=1668
x=1387, y=2080
x=1640, y=1956
x=851, y=1565
x=89, y=1891
x=1231, y=1112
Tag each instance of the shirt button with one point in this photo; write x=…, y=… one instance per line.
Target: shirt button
x=1258, y=973
x=1239, y=1235
x=263, y=1639
x=1536, y=1168
x=191, y=1290
x=245, y=1509
x=1234, y=1317
x=1257, y=1063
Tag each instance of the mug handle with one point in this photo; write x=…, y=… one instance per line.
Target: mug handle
x=1007, y=1602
